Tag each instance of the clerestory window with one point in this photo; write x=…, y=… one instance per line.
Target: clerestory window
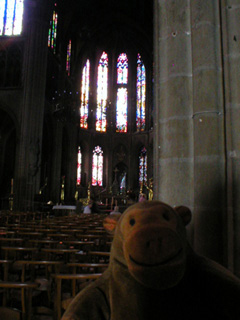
x=11, y=17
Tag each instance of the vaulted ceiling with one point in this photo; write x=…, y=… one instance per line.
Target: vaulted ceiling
x=109, y=23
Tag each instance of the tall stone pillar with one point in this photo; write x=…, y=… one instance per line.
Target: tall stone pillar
x=56, y=161
x=32, y=111
x=173, y=105
x=72, y=165
x=209, y=131
x=230, y=13
x=189, y=153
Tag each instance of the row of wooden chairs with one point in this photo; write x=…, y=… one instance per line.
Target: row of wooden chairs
x=66, y=252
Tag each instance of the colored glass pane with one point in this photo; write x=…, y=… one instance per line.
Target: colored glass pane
x=97, y=167
x=121, y=112
x=85, y=96
x=69, y=49
x=52, y=33
x=122, y=69
x=141, y=95
x=143, y=166
x=102, y=86
x=11, y=15
x=79, y=165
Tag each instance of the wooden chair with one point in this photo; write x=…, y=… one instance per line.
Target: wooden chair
x=81, y=268
x=40, y=272
x=56, y=253
x=59, y=236
x=30, y=235
x=58, y=304
x=26, y=298
x=80, y=245
x=11, y=241
x=49, y=266
x=18, y=252
x=4, y=264
x=43, y=243
x=95, y=257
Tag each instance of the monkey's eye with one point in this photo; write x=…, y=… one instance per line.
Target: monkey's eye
x=166, y=216
x=132, y=222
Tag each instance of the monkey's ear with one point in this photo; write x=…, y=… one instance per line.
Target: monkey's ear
x=184, y=213
x=110, y=222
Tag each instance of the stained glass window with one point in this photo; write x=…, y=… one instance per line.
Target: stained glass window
x=69, y=49
x=11, y=16
x=143, y=167
x=97, y=167
x=52, y=32
x=102, y=87
x=79, y=165
x=122, y=69
x=141, y=95
x=122, y=93
x=85, y=96
x=121, y=112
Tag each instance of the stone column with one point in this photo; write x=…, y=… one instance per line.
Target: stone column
x=173, y=105
x=56, y=162
x=230, y=13
x=209, y=133
x=71, y=165
x=32, y=111
x=189, y=154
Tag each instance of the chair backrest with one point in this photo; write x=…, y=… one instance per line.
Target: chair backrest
x=58, y=278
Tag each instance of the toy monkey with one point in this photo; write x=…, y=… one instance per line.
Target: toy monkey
x=154, y=273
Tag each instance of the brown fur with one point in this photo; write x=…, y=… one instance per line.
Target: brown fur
x=154, y=274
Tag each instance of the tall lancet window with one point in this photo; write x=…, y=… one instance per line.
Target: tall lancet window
x=97, y=167
x=11, y=16
x=122, y=93
x=52, y=32
x=102, y=93
x=85, y=96
x=68, y=60
x=79, y=166
x=141, y=95
x=143, y=167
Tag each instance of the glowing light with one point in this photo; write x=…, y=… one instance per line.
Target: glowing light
x=141, y=95
x=69, y=49
x=79, y=165
x=11, y=17
x=52, y=32
x=97, y=167
x=121, y=117
x=102, y=86
x=85, y=96
x=143, y=166
x=122, y=69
